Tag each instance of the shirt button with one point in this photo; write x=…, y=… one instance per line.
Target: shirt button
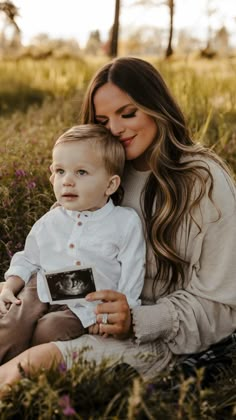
x=71, y=245
x=78, y=215
x=79, y=223
x=78, y=263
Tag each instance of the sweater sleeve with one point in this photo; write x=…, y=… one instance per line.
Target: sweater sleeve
x=191, y=319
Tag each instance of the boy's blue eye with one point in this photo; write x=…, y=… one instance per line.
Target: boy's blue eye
x=130, y=114
x=81, y=172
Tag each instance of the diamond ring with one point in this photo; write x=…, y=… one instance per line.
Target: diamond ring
x=104, y=318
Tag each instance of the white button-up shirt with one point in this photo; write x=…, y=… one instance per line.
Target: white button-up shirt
x=110, y=240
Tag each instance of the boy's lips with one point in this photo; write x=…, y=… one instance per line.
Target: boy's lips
x=69, y=196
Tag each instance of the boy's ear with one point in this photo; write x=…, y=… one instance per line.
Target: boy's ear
x=51, y=179
x=113, y=185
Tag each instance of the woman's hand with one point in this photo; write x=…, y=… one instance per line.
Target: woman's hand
x=115, y=306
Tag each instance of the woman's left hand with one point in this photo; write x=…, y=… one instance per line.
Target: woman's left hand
x=115, y=310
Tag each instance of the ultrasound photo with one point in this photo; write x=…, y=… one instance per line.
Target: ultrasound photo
x=69, y=285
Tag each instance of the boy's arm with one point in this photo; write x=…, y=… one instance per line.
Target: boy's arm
x=132, y=256
x=25, y=263
x=10, y=289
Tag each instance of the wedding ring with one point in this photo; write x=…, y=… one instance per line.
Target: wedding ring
x=104, y=318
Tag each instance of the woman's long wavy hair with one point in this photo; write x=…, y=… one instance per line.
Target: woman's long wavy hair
x=168, y=190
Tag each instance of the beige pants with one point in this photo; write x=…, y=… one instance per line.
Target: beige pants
x=34, y=322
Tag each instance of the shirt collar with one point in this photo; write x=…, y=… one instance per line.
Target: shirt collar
x=92, y=215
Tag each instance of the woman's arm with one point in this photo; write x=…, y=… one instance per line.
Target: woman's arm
x=191, y=319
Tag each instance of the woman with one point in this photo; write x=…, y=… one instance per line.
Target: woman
x=186, y=198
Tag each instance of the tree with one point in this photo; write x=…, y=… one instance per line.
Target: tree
x=11, y=12
x=170, y=4
x=169, y=50
x=114, y=37
x=94, y=43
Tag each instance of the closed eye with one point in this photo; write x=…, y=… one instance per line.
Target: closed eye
x=130, y=114
x=103, y=122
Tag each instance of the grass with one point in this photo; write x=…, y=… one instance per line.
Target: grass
x=112, y=392
x=38, y=101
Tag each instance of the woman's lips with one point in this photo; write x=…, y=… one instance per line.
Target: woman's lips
x=127, y=141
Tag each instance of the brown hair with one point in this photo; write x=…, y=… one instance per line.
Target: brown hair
x=167, y=194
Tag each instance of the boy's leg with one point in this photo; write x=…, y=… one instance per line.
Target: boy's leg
x=59, y=324
x=34, y=358
x=17, y=325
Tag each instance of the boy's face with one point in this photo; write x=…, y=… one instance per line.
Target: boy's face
x=79, y=179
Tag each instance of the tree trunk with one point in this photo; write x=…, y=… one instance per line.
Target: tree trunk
x=115, y=31
x=169, y=50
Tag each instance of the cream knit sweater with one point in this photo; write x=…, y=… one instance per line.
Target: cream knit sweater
x=190, y=319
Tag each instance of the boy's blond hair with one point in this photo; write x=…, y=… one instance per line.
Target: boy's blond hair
x=108, y=145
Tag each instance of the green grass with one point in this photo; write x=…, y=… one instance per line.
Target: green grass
x=38, y=101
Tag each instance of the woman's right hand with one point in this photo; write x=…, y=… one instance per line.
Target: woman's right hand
x=115, y=306
x=7, y=297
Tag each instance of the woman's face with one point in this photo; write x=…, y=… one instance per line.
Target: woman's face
x=136, y=130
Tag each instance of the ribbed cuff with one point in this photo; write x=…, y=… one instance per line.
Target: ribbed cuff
x=155, y=321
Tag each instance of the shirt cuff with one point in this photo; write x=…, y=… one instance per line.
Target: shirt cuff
x=19, y=271
x=151, y=322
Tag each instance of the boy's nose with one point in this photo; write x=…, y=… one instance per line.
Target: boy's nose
x=68, y=180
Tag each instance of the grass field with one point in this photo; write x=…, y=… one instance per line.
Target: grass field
x=38, y=101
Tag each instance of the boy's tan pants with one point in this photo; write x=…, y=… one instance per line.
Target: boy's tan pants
x=34, y=322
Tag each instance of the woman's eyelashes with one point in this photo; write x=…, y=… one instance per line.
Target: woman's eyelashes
x=103, y=122
x=128, y=115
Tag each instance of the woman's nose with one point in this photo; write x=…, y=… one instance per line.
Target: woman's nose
x=116, y=128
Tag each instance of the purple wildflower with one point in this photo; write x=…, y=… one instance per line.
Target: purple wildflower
x=62, y=367
x=64, y=403
x=20, y=173
x=31, y=185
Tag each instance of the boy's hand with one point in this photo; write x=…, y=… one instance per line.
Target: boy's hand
x=93, y=329
x=7, y=297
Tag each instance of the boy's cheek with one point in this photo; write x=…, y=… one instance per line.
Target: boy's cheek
x=51, y=179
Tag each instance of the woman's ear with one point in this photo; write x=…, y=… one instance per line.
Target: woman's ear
x=113, y=185
x=51, y=179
